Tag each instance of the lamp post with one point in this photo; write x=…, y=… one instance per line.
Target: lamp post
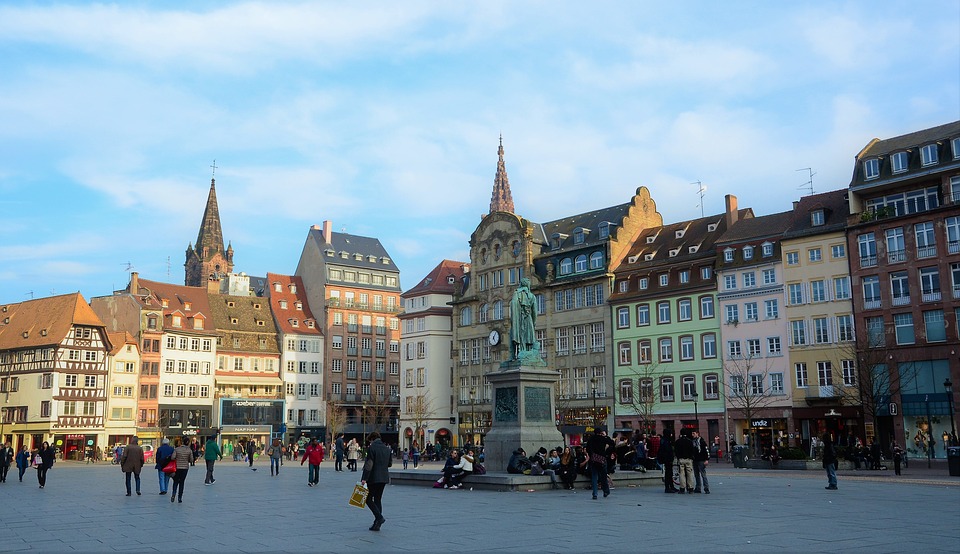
x=696, y=411
x=363, y=421
x=593, y=385
x=948, y=386
x=473, y=413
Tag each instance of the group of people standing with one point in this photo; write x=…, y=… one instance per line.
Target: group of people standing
x=41, y=459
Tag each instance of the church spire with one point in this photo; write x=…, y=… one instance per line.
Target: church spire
x=207, y=259
x=210, y=237
x=501, y=200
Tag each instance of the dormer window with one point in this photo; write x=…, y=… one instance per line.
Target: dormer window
x=198, y=323
x=309, y=323
x=643, y=283
x=385, y=261
x=674, y=252
x=294, y=323
x=231, y=303
x=566, y=266
x=767, y=249
x=344, y=255
x=693, y=249
x=277, y=287
x=451, y=280
x=256, y=306
x=728, y=255
x=187, y=306
x=604, y=229
x=298, y=305
x=329, y=253
x=372, y=259
x=647, y=257
x=283, y=304
x=293, y=288
x=871, y=168
x=747, y=252
x=650, y=239
x=557, y=240
x=898, y=162
x=260, y=323
x=679, y=233
x=165, y=303
x=578, y=236
x=358, y=257
x=928, y=154
x=234, y=321
x=955, y=146
x=177, y=321
x=712, y=227
x=816, y=218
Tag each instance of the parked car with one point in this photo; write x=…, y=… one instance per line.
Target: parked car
x=147, y=452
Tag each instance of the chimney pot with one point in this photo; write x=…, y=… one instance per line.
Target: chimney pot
x=733, y=214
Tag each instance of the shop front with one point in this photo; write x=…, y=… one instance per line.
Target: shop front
x=760, y=433
x=840, y=422
x=302, y=435
x=234, y=437
x=75, y=447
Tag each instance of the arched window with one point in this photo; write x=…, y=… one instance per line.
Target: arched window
x=566, y=266
x=596, y=260
x=482, y=313
x=581, y=263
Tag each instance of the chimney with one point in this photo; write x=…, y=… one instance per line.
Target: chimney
x=327, y=231
x=732, y=213
x=134, y=282
x=796, y=204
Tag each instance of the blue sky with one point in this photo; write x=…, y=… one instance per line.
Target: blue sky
x=384, y=118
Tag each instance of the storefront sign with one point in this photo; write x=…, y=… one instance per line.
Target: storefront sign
x=894, y=409
x=262, y=403
x=246, y=429
x=832, y=413
x=759, y=423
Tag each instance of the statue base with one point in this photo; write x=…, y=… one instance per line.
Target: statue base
x=524, y=412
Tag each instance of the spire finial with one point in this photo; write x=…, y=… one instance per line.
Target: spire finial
x=214, y=166
x=501, y=200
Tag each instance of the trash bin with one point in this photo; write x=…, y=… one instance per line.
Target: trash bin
x=953, y=460
x=739, y=454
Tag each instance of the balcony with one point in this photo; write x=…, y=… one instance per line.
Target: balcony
x=351, y=327
x=896, y=256
x=934, y=296
x=365, y=375
x=871, y=304
x=868, y=261
x=352, y=351
x=381, y=376
x=956, y=291
x=351, y=374
x=953, y=247
x=366, y=352
x=927, y=251
x=381, y=353
x=901, y=300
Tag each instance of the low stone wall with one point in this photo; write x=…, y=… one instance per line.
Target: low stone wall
x=512, y=482
x=816, y=465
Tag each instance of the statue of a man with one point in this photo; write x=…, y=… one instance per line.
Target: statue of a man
x=523, y=319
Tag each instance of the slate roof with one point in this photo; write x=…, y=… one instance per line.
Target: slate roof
x=352, y=245
x=283, y=316
x=910, y=142
x=438, y=281
x=589, y=220
x=695, y=233
x=835, y=211
x=45, y=321
x=757, y=227
x=253, y=319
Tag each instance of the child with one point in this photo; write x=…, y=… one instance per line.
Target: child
x=405, y=457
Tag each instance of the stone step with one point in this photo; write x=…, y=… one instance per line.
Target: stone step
x=513, y=482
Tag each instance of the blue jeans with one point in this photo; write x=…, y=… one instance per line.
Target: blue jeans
x=313, y=475
x=700, y=474
x=164, y=480
x=599, y=473
x=274, y=465
x=832, y=474
x=137, y=475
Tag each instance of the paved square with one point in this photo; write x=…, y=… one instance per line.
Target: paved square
x=83, y=508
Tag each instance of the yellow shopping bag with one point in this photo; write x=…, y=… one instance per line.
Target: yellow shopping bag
x=359, y=496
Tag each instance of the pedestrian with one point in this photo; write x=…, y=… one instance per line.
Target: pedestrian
x=43, y=461
x=405, y=456
x=353, y=450
x=314, y=453
x=131, y=462
x=599, y=447
x=251, y=450
x=183, y=456
x=163, y=455
x=23, y=460
x=897, y=458
x=275, y=452
x=211, y=453
x=195, y=450
x=6, y=458
x=416, y=455
x=665, y=459
x=701, y=458
x=375, y=476
x=338, y=452
x=829, y=461
x=683, y=450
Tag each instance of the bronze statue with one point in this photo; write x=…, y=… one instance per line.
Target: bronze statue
x=523, y=320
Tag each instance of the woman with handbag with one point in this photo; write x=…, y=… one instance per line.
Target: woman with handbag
x=164, y=457
x=43, y=461
x=182, y=455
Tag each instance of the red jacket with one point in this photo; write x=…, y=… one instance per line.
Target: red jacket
x=314, y=453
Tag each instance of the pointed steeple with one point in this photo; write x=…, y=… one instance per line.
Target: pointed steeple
x=501, y=200
x=207, y=260
x=210, y=237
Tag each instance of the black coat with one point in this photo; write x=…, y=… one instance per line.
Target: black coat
x=665, y=455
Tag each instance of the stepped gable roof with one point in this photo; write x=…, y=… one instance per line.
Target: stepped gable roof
x=694, y=232
x=283, y=316
x=756, y=227
x=247, y=317
x=44, y=321
x=590, y=221
x=835, y=211
x=119, y=339
x=372, y=254
x=443, y=279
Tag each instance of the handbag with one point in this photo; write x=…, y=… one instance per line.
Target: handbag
x=359, y=496
x=37, y=461
x=598, y=459
x=479, y=469
x=171, y=467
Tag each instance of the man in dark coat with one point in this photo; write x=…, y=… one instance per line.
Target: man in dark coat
x=338, y=451
x=599, y=448
x=375, y=476
x=6, y=458
x=131, y=462
x=830, y=462
x=251, y=450
x=665, y=458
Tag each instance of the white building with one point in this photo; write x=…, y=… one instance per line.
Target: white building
x=123, y=364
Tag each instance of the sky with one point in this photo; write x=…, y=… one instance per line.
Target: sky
x=385, y=118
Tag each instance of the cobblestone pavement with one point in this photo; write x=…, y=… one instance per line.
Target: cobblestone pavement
x=84, y=508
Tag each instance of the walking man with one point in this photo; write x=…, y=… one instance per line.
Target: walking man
x=684, y=451
x=314, y=453
x=6, y=458
x=830, y=461
x=375, y=476
x=275, y=453
x=211, y=453
x=701, y=458
x=599, y=447
x=338, y=451
x=251, y=450
x=131, y=462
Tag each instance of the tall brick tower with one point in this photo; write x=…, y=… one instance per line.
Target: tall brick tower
x=208, y=262
x=501, y=199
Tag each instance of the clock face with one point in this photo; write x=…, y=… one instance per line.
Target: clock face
x=494, y=338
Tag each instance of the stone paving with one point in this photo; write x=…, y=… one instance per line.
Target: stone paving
x=83, y=508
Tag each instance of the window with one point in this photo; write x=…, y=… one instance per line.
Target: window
x=643, y=283
x=845, y=328
x=793, y=258
x=706, y=307
x=581, y=263
x=684, y=309
x=867, y=249
x=934, y=324
x=466, y=317
x=896, y=247
x=871, y=291
x=685, y=276
x=821, y=330
x=706, y=273
x=89, y=381
x=643, y=314
x=736, y=385
x=838, y=251
x=566, y=266
x=928, y=154
x=800, y=371
x=773, y=346
x=771, y=309
x=825, y=374
x=841, y=288
x=623, y=318
x=753, y=348
x=848, y=370
x=818, y=291
x=666, y=349
x=626, y=391
x=795, y=293
x=729, y=282
x=711, y=386
x=749, y=279
x=666, y=389
x=756, y=384
x=663, y=312
x=750, y=311
x=798, y=333
x=776, y=384
x=734, y=350
x=930, y=284
x=747, y=252
x=816, y=218
x=815, y=254
x=624, y=349
x=926, y=239
x=875, y=332
x=898, y=162
x=728, y=255
x=766, y=249
x=644, y=351
x=688, y=386
x=686, y=348
x=664, y=280
x=596, y=260
x=900, y=288
x=709, y=345
x=733, y=313
x=903, y=328
x=769, y=276
x=871, y=169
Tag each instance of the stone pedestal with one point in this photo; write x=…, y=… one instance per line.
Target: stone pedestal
x=524, y=412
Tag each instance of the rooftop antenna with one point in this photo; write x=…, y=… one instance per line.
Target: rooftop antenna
x=168, y=268
x=30, y=293
x=809, y=184
x=129, y=267
x=702, y=189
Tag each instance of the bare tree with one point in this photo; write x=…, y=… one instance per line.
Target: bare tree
x=420, y=410
x=336, y=419
x=379, y=408
x=745, y=390
x=645, y=396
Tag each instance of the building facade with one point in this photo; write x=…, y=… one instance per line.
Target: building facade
x=123, y=365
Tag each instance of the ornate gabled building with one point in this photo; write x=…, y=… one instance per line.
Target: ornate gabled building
x=207, y=261
x=53, y=374
x=570, y=263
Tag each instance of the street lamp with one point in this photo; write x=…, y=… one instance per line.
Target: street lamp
x=593, y=384
x=473, y=413
x=696, y=411
x=363, y=421
x=948, y=386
